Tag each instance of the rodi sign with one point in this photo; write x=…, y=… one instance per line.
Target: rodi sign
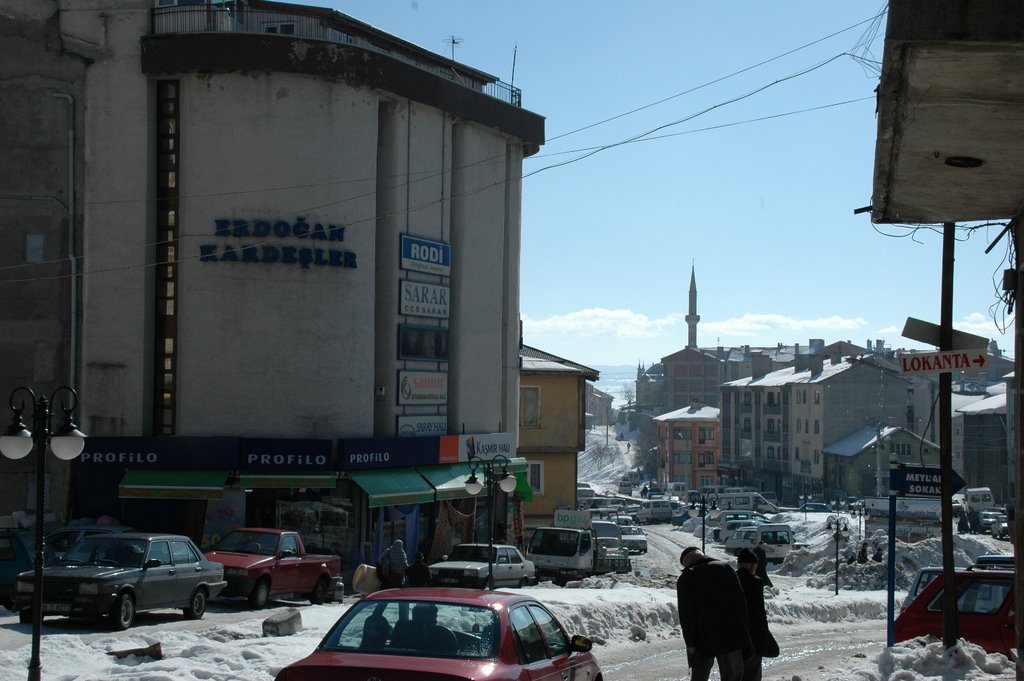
x=424, y=255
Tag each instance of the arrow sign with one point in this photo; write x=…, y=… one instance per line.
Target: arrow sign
x=942, y=362
x=922, y=481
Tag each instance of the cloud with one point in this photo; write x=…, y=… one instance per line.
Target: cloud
x=599, y=321
x=769, y=325
x=980, y=325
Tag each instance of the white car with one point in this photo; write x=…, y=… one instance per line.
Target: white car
x=467, y=566
x=634, y=539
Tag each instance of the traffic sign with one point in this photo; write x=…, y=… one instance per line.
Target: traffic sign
x=942, y=362
x=922, y=481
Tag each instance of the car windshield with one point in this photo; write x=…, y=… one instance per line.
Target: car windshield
x=471, y=552
x=554, y=542
x=112, y=551
x=417, y=628
x=260, y=543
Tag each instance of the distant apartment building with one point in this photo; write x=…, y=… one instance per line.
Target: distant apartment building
x=689, y=447
x=775, y=426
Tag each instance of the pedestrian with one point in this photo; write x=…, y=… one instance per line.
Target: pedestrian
x=713, y=616
x=418, y=573
x=764, y=644
x=643, y=492
x=877, y=555
x=762, y=563
x=392, y=565
x=862, y=555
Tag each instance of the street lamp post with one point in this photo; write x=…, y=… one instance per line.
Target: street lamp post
x=840, y=529
x=503, y=479
x=66, y=444
x=803, y=502
x=703, y=501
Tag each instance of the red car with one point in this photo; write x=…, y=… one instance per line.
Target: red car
x=985, y=607
x=432, y=634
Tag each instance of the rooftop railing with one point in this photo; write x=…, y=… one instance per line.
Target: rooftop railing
x=224, y=18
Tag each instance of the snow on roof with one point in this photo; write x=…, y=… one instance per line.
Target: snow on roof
x=691, y=413
x=536, y=364
x=790, y=375
x=862, y=438
x=989, y=405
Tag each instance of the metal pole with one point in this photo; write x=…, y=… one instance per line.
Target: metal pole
x=836, y=537
x=489, y=472
x=949, y=623
x=40, y=435
x=890, y=597
x=1018, y=404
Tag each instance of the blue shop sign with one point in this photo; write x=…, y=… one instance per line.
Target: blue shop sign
x=174, y=453
x=387, y=452
x=277, y=455
x=424, y=255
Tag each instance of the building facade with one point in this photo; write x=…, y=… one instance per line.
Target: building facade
x=261, y=239
x=689, y=447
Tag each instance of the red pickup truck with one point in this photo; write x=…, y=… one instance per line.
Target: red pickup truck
x=260, y=562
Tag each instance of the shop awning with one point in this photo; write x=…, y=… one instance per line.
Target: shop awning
x=449, y=480
x=388, y=487
x=523, y=488
x=167, y=484
x=288, y=481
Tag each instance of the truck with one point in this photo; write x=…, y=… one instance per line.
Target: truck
x=261, y=562
x=575, y=546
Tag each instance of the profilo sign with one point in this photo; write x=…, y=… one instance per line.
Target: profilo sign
x=424, y=255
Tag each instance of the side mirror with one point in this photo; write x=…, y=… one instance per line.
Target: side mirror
x=580, y=644
x=151, y=563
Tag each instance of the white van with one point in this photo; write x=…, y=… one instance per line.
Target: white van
x=978, y=498
x=679, y=489
x=777, y=538
x=654, y=511
x=745, y=501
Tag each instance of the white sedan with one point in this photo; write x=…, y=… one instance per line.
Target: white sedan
x=467, y=566
x=634, y=539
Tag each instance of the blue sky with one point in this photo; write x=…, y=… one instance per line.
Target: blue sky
x=754, y=127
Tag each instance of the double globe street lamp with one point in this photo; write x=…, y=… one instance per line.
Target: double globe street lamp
x=703, y=501
x=840, y=529
x=492, y=477
x=66, y=444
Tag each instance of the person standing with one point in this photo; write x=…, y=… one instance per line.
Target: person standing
x=762, y=564
x=419, y=572
x=392, y=565
x=713, y=616
x=764, y=644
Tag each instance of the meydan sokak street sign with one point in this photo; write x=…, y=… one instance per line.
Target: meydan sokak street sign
x=922, y=481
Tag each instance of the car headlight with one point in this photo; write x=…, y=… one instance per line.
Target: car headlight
x=88, y=588
x=235, y=572
x=25, y=587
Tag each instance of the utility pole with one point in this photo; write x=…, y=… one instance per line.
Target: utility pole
x=949, y=623
x=1018, y=404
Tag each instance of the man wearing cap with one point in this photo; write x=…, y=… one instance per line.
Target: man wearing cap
x=713, y=615
x=762, y=563
x=753, y=590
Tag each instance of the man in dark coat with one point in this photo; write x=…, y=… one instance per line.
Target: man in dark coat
x=418, y=573
x=713, y=615
x=762, y=564
x=753, y=590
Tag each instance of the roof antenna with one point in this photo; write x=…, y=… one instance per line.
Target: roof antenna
x=453, y=41
x=515, y=48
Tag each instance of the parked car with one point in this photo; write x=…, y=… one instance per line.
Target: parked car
x=684, y=514
x=615, y=554
x=723, y=532
x=922, y=579
x=985, y=600
x=446, y=633
x=122, y=574
x=988, y=517
x=59, y=541
x=814, y=507
x=467, y=566
x=990, y=561
x=778, y=539
x=622, y=519
x=654, y=511
x=634, y=539
x=17, y=549
x=261, y=562
x=1002, y=527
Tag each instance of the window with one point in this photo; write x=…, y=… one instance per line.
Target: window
x=956, y=429
x=682, y=433
x=160, y=551
x=817, y=426
x=529, y=407
x=799, y=426
x=682, y=457
x=903, y=449
x=817, y=397
x=290, y=543
x=796, y=453
x=770, y=453
x=817, y=456
x=558, y=642
x=535, y=474
x=531, y=643
x=807, y=425
x=770, y=425
x=706, y=435
x=182, y=553
x=706, y=459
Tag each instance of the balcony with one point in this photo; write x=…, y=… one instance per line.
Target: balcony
x=775, y=408
x=222, y=18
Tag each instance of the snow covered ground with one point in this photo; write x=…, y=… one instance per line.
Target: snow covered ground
x=630, y=618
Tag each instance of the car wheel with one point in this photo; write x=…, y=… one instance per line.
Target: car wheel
x=319, y=594
x=260, y=593
x=196, y=605
x=25, y=616
x=523, y=582
x=122, y=614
